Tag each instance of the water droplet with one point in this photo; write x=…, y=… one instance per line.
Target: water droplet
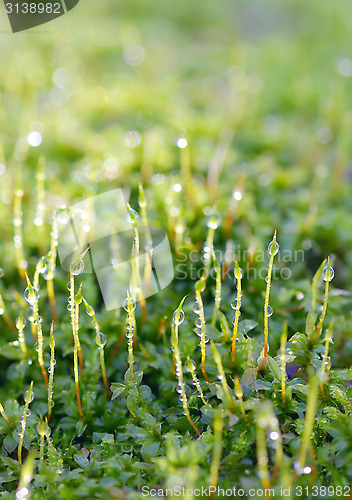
x=20, y=322
x=31, y=296
x=129, y=305
x=133, y=139
x=234, y=319
x=39, y=320
x=43, y=265
x=196, y=308
x=1, y=311
x=234, y=304
x=178, y=317
x=1, y=273
x=101, y=339
x=78, y=268
x=274, y=435
x=62, y=216
x=273, y=248
x=31, y=397
x=206, y=339
x=307, y=470
x=198, y=323
x=190, y=365
x=328, y=273
x=214, y=220
x=36, y=346
x=269, y=311
x=266, y=279
x=132, y=216
x=238, y=273
x=30, y=314
x=299, y=295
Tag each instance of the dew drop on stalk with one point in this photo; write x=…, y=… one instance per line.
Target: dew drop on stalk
x=36, y=346
x=20, y=322
x=273, y=248
x=269, y=311
x=78, y=268
x=328, y=273
x=198, y=323
x=31, y=397
x=299, y=295
x=132, y=216
x=196, y=308
x=238, y=273
x=129, y=305
x=100, y=339
x=234, y=319
x=214, y=220
x=234, y=304
x=30, y=314
x=190, y=365
x=43, y=265
x=31, y=296
x=178, y=317
x=62, y=216
x=40, y=320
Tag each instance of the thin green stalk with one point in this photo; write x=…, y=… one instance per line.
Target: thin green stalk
x=28, y=399
x=148, y=261
x=239, y=394
x=49, y=275
x=5, y=315
x=238, y=277
x=26, y=476
x=217, y=290
x=222, y=376
x=51, y=370
x=177, y=320
x=130, y=306
x=311, y=409
x=217, y=450
x=74, y=312
x=136, y=280
x=21, y=339
x=32, y=296
x=325, y=358
x=283, y=341
x=191, y=367
x=40, y=208
x=200, y=287
x=328, y=274
x=314, y=284
x=262, y=457
x=273, y=249
x=18, y=231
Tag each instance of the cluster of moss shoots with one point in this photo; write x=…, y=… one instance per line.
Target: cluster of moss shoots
x=265, y=421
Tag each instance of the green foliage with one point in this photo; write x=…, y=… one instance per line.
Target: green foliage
x=265, y=114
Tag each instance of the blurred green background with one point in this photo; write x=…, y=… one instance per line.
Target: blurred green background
x=261, y=91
